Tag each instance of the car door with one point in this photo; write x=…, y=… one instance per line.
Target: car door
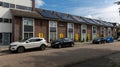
x=66, y=42
x=32, y=43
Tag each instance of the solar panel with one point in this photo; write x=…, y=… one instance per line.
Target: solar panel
x=96, y=21
x=78, y=19
x=48, y=14
x=88, y=20
x=64, y=16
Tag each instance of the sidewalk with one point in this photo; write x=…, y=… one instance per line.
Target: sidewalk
x=4, y=48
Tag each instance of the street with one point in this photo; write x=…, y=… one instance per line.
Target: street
x=59, y=57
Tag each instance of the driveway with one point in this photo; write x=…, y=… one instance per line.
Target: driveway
x=59, y=57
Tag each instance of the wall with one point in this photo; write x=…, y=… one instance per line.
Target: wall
x=62, y=29
x=41, y=26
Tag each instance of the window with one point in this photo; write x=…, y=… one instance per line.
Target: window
x=6, y=5
x=38, y=39
x=10, y=20
x=1, y=3
x=70, y=30
x=28, y=27
x=23, y=7
x=12, y=5
x=1, y=20
x=53, y=23
x=6, y=20
x=1, y=37
x=53, y=30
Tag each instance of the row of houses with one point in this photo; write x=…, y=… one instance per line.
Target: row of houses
x=27, y=21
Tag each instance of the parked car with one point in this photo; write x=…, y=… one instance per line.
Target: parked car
x=28, y=43
x=98, y=40
x=118, y=38
x=63, y=42
x=109, y=39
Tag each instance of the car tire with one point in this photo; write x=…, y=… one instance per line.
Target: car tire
x=20, y=49
x=71, y=45
x=42, y=47
x=59, y=46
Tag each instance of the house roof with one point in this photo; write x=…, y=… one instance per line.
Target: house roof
x=21, y=13
x=58, y=16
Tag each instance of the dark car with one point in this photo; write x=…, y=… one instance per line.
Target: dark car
x=98, y=40
x=109, y=39
x=63, y=42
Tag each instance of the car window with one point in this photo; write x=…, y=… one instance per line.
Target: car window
x=35, y=40
x=38, y=39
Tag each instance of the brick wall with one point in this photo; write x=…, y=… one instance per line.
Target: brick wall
x=62, y=28
x=89, y=31
x=17, y=28
x=41, y=26
x=77, y=30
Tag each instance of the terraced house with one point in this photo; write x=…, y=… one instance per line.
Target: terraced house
x=20, y=19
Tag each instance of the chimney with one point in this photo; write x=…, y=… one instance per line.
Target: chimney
x=33, y=5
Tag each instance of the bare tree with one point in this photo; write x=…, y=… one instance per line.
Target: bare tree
x=118, y=2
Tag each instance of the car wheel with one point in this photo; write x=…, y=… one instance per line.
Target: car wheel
x=43, y=47
x=20, y=49
x=59, y=46
x=71, y=45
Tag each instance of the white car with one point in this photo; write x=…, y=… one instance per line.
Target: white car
x=28, y=43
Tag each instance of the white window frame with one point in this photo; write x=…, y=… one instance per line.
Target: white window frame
x=23, y=27
x=53, y=26
x=68, y=26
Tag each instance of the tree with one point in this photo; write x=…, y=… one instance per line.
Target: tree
x=118, y=2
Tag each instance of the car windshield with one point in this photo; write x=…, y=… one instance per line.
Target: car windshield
x=58, y=40
x=97, y=38
x=23, y=40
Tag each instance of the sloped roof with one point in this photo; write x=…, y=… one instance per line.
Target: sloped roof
x=21, y=13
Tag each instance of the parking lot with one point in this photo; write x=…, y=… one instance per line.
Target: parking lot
x=58, y=57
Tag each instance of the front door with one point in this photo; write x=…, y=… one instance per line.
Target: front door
x=94, y=32
x=83, y=32
x=6, y=38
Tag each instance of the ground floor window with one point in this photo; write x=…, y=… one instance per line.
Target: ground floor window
x=28, y=28
x=28, y=35
x=70, y=29
x=52, y=30
x=70, y=35
x=5, y=38
x=52, y=36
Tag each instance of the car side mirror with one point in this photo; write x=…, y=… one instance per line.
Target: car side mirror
x=27, y=41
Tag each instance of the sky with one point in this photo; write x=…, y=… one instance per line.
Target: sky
x=97, y=9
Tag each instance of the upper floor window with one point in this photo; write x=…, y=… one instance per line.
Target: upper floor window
x=6, y=5
x=1, y=3
x=5, y=20
x=53, y=23
x=9, y=5
x=1, y=20
x=70, y=25
x=12, y=5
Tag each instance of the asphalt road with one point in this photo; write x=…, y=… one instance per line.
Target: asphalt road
x=58, y=57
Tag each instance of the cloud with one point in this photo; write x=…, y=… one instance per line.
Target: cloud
x=39, y=3
x=110, y=13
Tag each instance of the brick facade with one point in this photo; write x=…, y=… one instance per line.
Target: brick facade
x=41, y=26
x=17, y=29
x=62, y=28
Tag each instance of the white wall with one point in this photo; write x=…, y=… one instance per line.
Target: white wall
x=5, y=13
x=19, y=2
x=5, y=27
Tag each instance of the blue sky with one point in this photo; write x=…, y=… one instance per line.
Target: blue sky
x=98, y=9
